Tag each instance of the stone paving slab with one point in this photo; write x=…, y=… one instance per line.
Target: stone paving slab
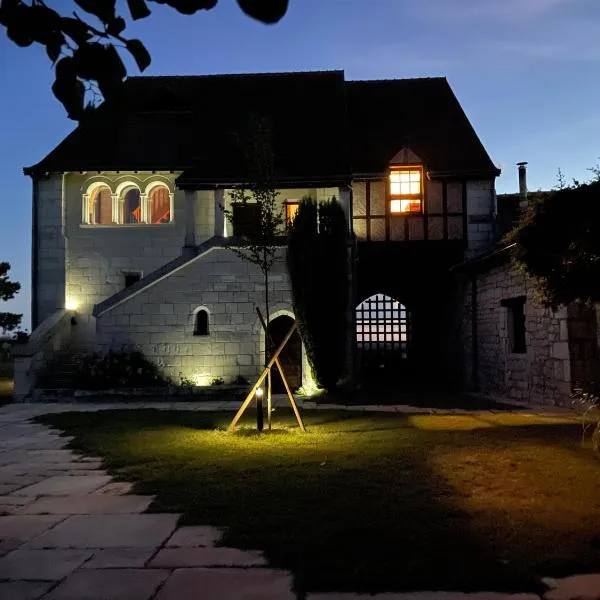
x=109, y=531
x=115, y=487
x=577, y=587
x=207, y=557
x=194, y=536
x=25, y=527
x=119, y=558
x=227, y=584
x=44, y=565
x=23, y=590
x=64, y=485
x=116, y=584
x=89, y=504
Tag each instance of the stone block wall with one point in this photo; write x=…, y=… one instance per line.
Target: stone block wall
x=160, y=319
x=540, y=375
x=50, y=260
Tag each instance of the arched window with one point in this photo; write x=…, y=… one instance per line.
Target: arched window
x=159, y=205
x=201, y=322
x=131, y=208
x=100, y=206
x=382, y=324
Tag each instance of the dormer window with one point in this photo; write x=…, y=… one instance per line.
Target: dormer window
x=405, y=190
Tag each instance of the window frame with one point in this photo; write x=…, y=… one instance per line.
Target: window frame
x=286, y=207
x=196, y=330
x=420, y=197
x=516, y=324
x=118, y=193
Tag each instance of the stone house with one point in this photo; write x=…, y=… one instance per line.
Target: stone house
x=130, y=240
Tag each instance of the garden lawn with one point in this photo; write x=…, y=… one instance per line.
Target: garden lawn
x=371, y=502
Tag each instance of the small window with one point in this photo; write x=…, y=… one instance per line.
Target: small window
x=246, y=218
x=131, y=206
x=100, y=206
x=291, y=208
x=131, y=278
x=201, y=322
x=159, y=205
x=406, y=190
x=515, y=320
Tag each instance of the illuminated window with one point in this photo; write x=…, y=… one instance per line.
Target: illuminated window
x=406, y=190
x=131, y=207
x=159, y=205
x=100, y=206
x=291, y=208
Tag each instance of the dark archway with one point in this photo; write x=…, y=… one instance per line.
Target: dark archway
x=290, y=357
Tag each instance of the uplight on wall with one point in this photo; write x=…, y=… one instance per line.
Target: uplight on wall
x=71, y=304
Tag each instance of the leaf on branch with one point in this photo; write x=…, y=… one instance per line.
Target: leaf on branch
x=77, y=30
x=68, y=89
x=139, y=53
x=267, y=11
x=54, y=46
x=138, y=9
x=103, y=9
x=116, y=26
x=189, y=7
x=9, y=321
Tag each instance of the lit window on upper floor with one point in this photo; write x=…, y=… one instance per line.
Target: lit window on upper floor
x=128, y=204
x=291, y=208
x=159, y=205
x=99, y=206
x=405, y=190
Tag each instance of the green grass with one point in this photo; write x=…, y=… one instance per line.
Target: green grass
x=371, y=502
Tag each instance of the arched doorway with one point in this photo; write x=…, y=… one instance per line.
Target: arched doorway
x=290, y=357
x=383, y=338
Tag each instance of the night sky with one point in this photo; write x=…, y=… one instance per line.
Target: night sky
x=527, y=73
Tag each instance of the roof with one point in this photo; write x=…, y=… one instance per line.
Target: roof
x=421, y=114
x=323, y=129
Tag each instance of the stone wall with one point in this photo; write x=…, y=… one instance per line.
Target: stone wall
x=542, y=373
x=49, y=261
x=160, y=319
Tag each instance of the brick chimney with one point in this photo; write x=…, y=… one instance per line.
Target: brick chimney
x=522, y=185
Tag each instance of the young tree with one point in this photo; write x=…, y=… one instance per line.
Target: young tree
x=85, y=57
x=8, y=289
x=317, y=260
x=260, y=240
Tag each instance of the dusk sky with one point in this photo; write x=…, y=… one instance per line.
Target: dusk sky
x=527, y=73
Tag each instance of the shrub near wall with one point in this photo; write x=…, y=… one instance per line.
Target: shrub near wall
x=117, y=370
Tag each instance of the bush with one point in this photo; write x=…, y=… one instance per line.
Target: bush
x=586, y=399
x=117, y=369
x=240, y=380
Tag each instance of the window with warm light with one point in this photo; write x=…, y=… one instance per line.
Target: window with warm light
x=291, y=208
x=406, y=190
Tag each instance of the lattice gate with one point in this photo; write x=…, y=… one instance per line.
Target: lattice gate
x=383, y=337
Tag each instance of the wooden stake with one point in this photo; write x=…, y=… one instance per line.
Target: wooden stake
x=261, y=378
x=283, y=377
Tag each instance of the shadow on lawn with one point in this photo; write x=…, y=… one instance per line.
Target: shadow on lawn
x=373, y=512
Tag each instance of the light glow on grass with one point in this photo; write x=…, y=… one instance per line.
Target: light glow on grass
x=370, y=502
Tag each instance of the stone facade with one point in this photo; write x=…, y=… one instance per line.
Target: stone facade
x=541, y=374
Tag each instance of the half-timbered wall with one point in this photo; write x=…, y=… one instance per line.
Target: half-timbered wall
x=443, y=216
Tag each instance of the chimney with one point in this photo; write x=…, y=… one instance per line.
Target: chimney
x=522, y=184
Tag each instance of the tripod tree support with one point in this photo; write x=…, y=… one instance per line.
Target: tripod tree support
x=274, y=360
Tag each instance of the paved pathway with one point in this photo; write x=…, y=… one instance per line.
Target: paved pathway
x=68, y=532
